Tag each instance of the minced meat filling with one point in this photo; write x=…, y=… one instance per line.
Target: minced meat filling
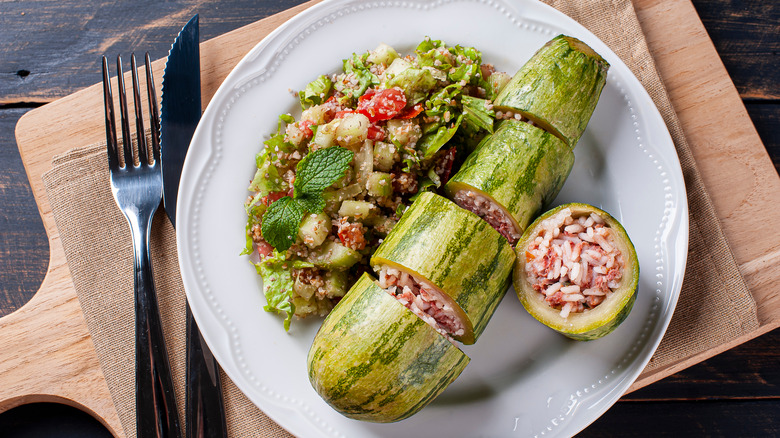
x=422, y=299
x=574, y=262
x=488, y=210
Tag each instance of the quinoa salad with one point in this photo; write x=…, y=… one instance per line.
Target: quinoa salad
x=334, y=180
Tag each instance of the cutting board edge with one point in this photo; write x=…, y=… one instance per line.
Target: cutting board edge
x=35, y=169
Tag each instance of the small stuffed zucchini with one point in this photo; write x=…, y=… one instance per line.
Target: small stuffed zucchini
x=577, y=271
x=511, y=176
x=374, y=360
x=447, y=265
x=557, y=89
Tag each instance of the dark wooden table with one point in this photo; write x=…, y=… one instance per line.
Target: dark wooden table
x=51, y=49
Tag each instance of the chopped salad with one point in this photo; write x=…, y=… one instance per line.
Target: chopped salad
x=331, y=183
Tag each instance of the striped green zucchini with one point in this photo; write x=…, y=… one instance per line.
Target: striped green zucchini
x=375, y=360
x=520, y=168
x=452, y=249
x=558, y=88
x=592, y=323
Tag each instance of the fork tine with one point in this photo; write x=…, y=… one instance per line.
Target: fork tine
x=108, y=105
x=143, y=154
x=126, y=142
x=154, y=114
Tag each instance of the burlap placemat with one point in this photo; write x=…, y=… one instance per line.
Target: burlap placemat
x=99, y=252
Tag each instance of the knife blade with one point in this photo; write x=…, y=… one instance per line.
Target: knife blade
x=180, y=114
x=180, y=109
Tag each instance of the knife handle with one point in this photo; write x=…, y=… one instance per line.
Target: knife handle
x=204, y=406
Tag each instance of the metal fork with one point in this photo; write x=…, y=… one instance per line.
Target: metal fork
x=136, y=182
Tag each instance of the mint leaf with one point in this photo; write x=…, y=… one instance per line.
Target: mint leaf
x=320, y=169
x=281, y=221
x=311, y=203
x=316, y=172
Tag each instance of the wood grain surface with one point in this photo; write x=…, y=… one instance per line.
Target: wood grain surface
x=50, y=50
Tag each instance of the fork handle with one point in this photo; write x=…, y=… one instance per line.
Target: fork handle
x=156, y=409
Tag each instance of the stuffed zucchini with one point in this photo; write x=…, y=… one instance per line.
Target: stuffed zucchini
x=511, y=176
x=447, y=265
x=374, y=360
x=557, y=89
x=577, y=271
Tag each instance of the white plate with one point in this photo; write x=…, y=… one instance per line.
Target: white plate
x=524, y=379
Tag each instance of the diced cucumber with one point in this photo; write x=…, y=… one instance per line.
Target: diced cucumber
x=312, y=306
x=380, y=184
x=325, y=136
x=335, y=283
x=384, y=156
x=385, y=226
x=416, y=83
x=403, y=130
x=303, y=306
x=364, y=162
x=397, y=66
x=314, y=229
x=339, y=195
x=381, y=224
x=315, y=114
x=294, y=134
x=352, y=131
x=333, y=255
x=305, y=290
x=383, y=54
x=356, y=209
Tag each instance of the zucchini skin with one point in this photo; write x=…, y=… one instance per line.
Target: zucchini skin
x=520, y=167
x=456, y=251
x=558, y=88
x=594, y=323
x=374, y=360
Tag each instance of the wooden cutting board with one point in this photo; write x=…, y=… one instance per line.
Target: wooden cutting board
x=46, y=348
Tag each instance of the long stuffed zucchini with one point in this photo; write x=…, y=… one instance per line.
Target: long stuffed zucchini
x=577, y=271
x=558, y=88
x=447, y=263
x=511, y=176
x=387, y=350
x=374, y=360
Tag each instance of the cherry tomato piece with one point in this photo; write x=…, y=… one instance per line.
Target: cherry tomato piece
x=305, y=126
x=412, y=112
x=381, y=105
x=375, y=133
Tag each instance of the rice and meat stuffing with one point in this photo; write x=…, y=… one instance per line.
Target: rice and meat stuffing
x=425, y=300
x=574, y=262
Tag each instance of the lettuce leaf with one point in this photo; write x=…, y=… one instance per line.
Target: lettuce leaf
x=315, y=92
x=277, y=286
x=477, y=115
x=357, y=64
x=430, y=143
x=267, y=178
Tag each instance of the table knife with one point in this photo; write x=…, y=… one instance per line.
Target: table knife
x=181, y=111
